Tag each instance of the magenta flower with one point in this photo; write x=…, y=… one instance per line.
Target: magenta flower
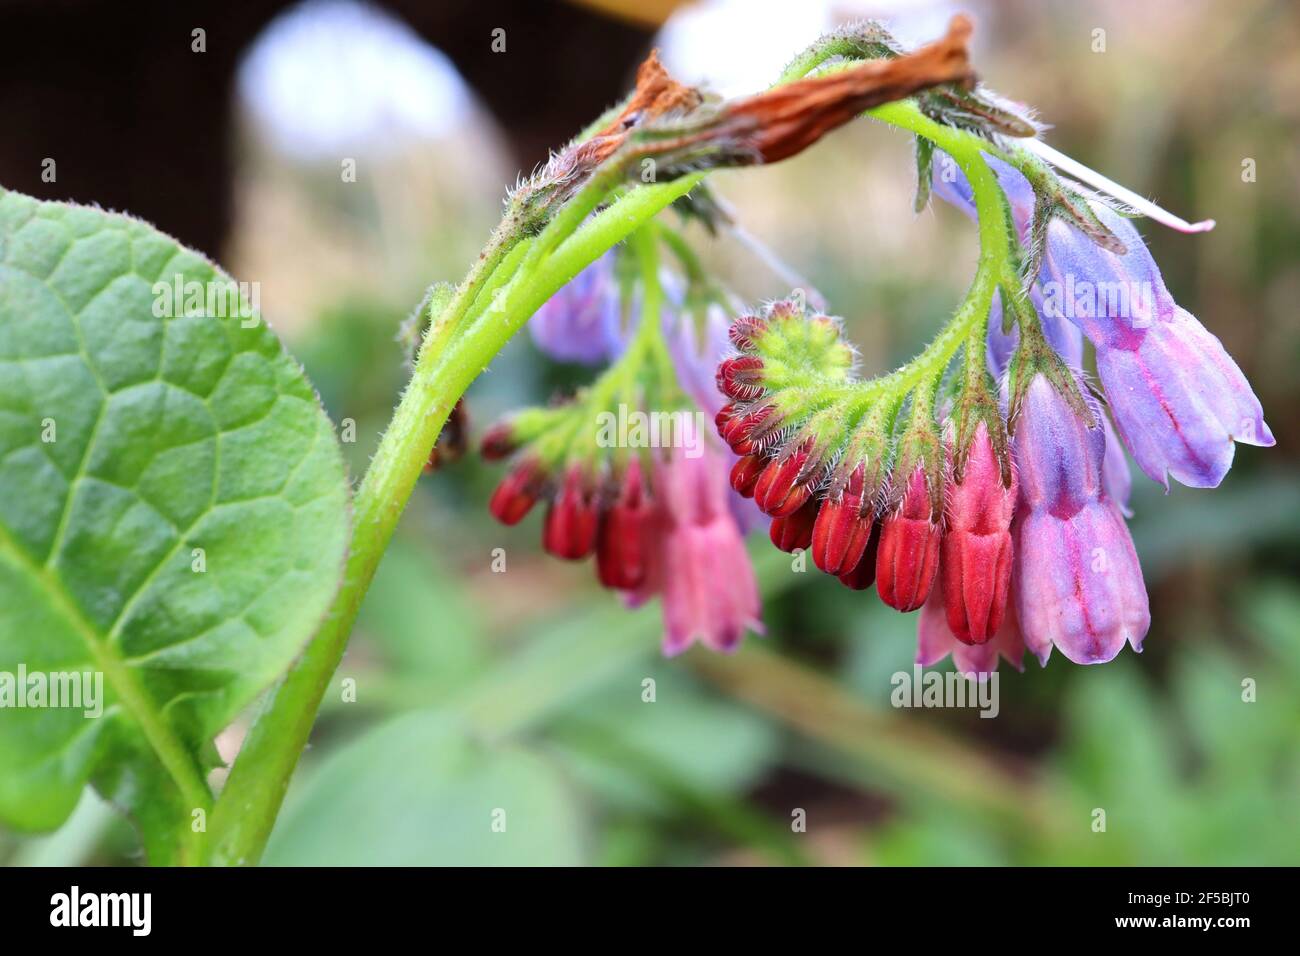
x=696, y=556
x=1076, y=580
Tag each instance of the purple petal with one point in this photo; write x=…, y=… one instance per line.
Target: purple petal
x=1078, y=585
x=1116, y=479
x=1076, y=580
x=1057, y=456
x=1178, y=398
x=581, y=322
x=949, y=183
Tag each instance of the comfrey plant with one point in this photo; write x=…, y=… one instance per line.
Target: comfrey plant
x=983, y=481
x=175, y=514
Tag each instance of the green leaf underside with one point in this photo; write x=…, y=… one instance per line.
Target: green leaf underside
x=170, y=434
x=449, y=799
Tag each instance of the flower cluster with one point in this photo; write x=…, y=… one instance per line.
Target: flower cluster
x=875, y=495
x=1178, y=399
x=626, y=470
x=989, y=491
x=1002, y=518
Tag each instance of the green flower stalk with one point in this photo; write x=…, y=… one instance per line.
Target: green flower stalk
x=864, y=472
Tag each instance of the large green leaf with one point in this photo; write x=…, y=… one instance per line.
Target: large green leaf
x=446, y=799
x=169, y=434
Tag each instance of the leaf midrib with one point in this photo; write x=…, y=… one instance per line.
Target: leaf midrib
x=171, y=752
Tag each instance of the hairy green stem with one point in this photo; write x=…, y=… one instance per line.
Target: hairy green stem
x=246, y=810
x=460, y=344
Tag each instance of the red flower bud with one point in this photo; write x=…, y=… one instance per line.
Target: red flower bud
x=976, y=552
x=744, y=330
x=572, y=519
x=909, y=547
x=725, y=414
x=744, y=474
x=622, y=544
x=843, y=528
x=518, y=491
x=863, y=574
x=795, y=531
x=741, y=378
x=498, y=442
x=745, y=432
x=783, y=487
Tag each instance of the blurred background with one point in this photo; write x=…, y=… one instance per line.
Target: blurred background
x=524, y=690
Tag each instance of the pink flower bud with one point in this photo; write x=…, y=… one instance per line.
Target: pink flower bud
x=977, y=549
x=741, y=378
x=745, y=431
x=745, y=473
x=863, y=574
x=498, y=441
x=794, y=532
x=745, y=330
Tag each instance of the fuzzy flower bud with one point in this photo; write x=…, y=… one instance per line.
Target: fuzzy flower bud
x=573, y=518
x=843, y=526
x=741, y=378
x=908, y=555
x=518, y=491
x=794, y=532
x=622, y=542
x=977, y=547
x=787, y=481
x=498, y=441
x=863, y=574
x=745, y=474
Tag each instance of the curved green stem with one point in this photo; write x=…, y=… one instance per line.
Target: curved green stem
x=996, y=267
x=246, y=810
x=508, y=283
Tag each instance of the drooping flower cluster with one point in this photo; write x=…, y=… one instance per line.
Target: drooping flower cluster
x=641, y=487
x=1010, y=535
x=992, y=497
x=873, y=495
